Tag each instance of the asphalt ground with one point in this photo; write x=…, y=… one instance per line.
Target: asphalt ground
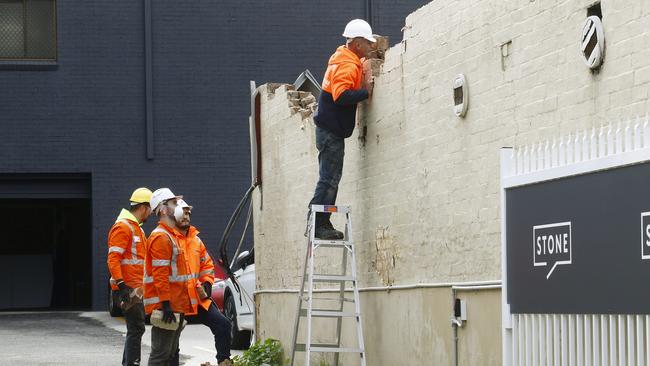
x=85, y=338
x=58, y=338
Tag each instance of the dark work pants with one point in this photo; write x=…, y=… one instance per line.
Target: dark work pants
x=163, y=345
x=134, y=318
x=331, y=150
x=219, y=326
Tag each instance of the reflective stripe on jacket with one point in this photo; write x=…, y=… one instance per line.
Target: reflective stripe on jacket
x=199, y=261
x=126, y=251
x=167, y=276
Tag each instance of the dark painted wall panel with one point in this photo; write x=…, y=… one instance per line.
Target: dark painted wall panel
x=87, y=115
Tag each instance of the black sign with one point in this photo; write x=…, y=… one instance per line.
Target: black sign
x=581, y=244
x=645, y=235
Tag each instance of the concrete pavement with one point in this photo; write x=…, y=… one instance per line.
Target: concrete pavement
x=197, y=342
x=85, y=338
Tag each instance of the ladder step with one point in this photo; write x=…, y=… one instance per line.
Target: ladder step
x=336, y=350
x=332, y=278
x=320, y=313
x=339, y=299
x=300, y=347
x=331, y=243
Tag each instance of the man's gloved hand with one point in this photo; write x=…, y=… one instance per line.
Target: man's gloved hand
x=168, y=313
x=125, y=291
x=207, y=286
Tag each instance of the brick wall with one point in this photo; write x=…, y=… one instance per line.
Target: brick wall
x=424, y=187
x=429, y=180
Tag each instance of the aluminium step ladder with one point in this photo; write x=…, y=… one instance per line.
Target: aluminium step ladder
x=306, y=296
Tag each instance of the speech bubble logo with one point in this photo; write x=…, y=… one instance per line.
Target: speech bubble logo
x=552, y=245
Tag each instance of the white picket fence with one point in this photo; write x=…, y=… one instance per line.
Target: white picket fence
x=599, y=340
x=574, y=339
x=582, y=146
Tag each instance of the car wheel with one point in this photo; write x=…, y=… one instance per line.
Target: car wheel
x=238, y=339
x=113, y=303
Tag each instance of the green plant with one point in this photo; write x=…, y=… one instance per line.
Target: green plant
x=267, y=353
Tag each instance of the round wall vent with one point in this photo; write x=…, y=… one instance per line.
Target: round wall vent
x=460, y=95
x=593, y=42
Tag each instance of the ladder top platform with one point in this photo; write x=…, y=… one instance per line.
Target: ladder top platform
x=330, y=208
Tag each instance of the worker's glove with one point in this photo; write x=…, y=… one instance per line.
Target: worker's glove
x=125, y=292
x=207, y=286
x=168, y=313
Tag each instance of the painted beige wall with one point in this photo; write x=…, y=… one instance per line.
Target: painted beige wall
x=478, y=344
x=402, y=327
x=424, y=187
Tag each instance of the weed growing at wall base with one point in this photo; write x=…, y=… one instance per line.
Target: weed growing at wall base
x=262, y=354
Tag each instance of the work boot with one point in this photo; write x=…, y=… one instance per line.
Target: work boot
x=328, y=225
x=226, y=362
x=327, y=232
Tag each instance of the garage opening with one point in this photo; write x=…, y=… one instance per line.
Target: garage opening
x=46, y=249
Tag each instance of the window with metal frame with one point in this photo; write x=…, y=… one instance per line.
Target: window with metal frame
x=28, y=30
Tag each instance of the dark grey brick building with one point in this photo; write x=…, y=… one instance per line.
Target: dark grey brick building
x=73, y=118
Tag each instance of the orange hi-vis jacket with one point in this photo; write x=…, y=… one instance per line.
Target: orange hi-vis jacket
x=342, y=91
x=126, y=250
x=344, y=71
x=199, y=262
x=167, y=276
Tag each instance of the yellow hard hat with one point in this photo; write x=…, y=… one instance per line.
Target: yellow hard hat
x=141, y=195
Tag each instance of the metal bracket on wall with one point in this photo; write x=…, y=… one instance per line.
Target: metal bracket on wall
x=256, y=138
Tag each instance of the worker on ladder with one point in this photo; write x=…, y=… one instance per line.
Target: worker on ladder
x=344, y=86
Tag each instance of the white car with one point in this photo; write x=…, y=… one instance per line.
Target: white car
x=238, y=306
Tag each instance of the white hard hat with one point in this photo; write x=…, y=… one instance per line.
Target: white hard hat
x=161, y=195
x=358, y=28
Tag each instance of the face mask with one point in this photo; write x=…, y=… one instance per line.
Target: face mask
x=178, y=213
